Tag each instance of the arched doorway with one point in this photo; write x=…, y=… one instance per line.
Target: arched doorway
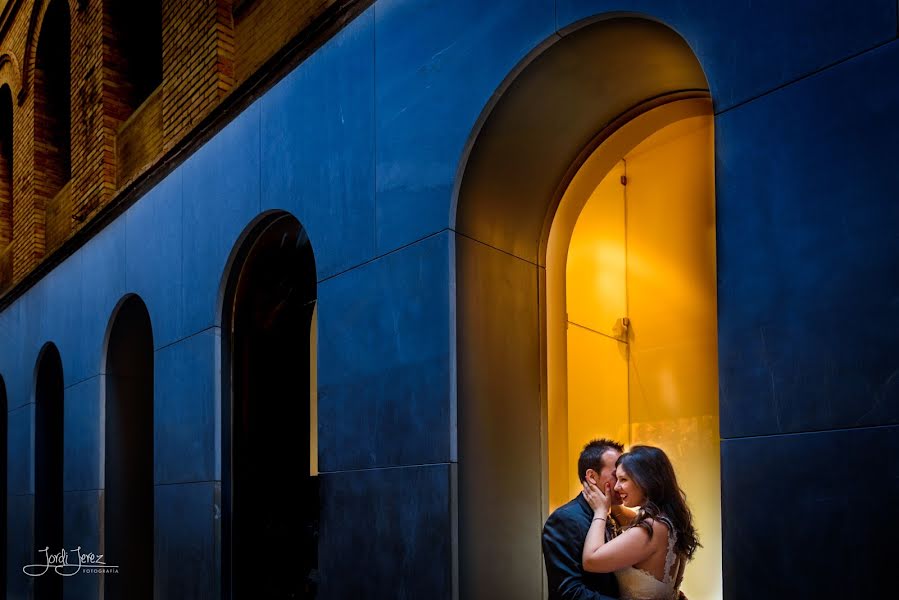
x=270, y=497
x=548, y=119
x=631, y=332
x=128, y=495
x=48, y=467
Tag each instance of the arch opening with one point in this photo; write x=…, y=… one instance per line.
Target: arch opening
x=132, y=53
x=524, y=167
x=636, y=360
x=52, y=102
x=48, y=467
x=270, y=487
x=128, y=502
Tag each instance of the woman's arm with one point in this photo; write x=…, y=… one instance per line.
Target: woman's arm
x=626, y=550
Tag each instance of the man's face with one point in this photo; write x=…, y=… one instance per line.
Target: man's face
x=607, y=474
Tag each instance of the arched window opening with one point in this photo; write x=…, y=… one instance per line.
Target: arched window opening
x=5, y=168
x=268, y=414
x=128, y=512
x=52, y=102
x=132, y=53
x=48, y=467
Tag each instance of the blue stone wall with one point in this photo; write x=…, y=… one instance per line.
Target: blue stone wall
x=362, y=142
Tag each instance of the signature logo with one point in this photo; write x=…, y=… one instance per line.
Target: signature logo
x=59, y=562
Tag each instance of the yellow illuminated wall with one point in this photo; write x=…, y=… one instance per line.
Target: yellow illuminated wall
x=643, y=248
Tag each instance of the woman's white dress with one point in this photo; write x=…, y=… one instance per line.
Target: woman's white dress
x=637, y=584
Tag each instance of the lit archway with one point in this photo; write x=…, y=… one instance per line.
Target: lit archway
x=632, y=326
x=270, y=487
x=548, y=118
x=128, y=489
x=48, y=467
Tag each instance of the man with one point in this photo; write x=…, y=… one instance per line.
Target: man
x=566, y=529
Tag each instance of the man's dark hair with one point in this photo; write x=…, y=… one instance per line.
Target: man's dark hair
x=591, y=456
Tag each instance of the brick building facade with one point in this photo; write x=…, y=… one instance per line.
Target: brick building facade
x=98, y=95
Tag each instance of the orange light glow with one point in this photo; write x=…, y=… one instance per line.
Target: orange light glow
x=645, y=250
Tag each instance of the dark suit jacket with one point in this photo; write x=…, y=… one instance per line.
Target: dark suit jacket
x=563, y=544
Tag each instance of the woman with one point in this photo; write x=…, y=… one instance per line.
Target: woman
x=648, y=557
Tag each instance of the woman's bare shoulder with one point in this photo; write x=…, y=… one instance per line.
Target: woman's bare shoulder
x=658, y=525
x=659, y=529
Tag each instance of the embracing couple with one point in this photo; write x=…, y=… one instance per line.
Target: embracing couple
x=628, y=535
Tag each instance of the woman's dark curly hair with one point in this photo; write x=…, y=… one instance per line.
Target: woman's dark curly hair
x=651, y=470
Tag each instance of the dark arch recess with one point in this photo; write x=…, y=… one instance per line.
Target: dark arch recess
x=134, y=56
x=52, y=101
x=270, y=497
x=128, y=502
x=48, y=465
x=546, y=119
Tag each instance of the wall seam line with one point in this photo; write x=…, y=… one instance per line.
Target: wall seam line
x=808, y=75
x=384, y=468
x=809, y=432
x=386, y=254
x=185, y=338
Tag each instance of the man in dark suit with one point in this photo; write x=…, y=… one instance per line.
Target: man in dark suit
x=566, y=529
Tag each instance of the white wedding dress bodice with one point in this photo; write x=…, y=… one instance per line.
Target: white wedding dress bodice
x=637, y=584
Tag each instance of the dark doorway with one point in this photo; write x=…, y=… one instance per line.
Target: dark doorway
x=48, y=462
x=270, y=496
x=128, y=513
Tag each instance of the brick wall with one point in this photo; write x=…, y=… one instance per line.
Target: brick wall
x=28, y=221
x=197, y=62
x=263, y=27
x=91, y=186
x=5, y=167
x=6, y=130
x=120, y=126
x=52, y=115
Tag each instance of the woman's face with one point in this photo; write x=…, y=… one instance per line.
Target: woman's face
x=630, y=492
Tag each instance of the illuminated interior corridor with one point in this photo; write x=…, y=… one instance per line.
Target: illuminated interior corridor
x=640, y=298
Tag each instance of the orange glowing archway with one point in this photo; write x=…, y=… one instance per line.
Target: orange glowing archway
x=567, y=99
x=631, y=312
